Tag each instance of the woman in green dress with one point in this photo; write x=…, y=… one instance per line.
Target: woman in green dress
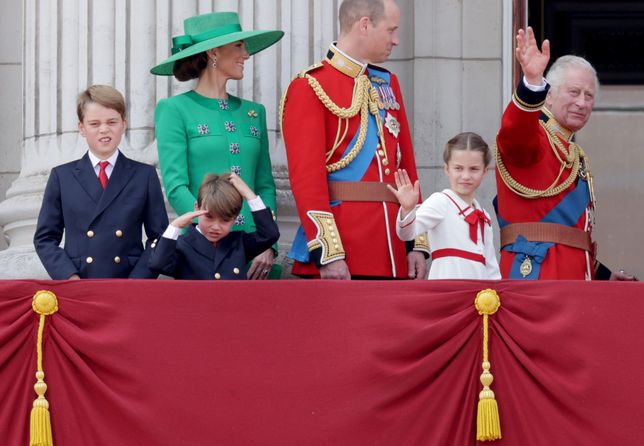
x=207, y=130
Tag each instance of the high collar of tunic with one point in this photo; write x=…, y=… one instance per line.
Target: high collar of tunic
x=551, y=123
x=344, y=63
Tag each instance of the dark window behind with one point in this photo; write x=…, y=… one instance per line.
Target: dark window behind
x=610, y=34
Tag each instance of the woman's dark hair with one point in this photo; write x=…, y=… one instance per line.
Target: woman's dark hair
x=190, y=67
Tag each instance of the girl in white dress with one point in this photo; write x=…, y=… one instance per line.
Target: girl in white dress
x=459, y=229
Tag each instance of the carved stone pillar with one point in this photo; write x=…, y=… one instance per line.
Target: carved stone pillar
x=68, y=46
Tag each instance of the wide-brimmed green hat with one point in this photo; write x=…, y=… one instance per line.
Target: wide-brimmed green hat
x=206, y=31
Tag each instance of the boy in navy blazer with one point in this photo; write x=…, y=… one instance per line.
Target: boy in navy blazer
x=209, y=250
x=100, y=202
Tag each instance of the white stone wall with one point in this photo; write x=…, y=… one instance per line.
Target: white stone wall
x=10, y=97
x=457, y=80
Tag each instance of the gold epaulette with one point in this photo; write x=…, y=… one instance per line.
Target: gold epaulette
x=315, y=66
x=301, y=74
x=421, y=243
x=327, y=237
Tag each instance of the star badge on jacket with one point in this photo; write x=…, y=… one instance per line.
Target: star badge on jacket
x=392, y=125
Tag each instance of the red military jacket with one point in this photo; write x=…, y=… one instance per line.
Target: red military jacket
x=361, y=232
x=530, y=159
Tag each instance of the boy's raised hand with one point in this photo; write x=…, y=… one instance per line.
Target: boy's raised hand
x=406, y=192
x=242, y=187
x=187, y=218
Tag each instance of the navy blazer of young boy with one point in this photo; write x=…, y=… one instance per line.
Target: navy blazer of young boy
x=193, y=257
x=103, y=234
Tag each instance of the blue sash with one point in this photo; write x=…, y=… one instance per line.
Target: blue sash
x=567, y=212
x=353, y=172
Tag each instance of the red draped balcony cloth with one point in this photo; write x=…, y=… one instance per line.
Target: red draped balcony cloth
x=309, y=363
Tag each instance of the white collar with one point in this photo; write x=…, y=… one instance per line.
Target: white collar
x=475, y=204
x=95, y=160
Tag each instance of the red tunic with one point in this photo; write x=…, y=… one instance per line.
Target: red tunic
x=529, y=158
x=367, y=229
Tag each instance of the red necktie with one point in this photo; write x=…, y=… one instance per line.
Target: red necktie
x=102, y=174
x=477, y=218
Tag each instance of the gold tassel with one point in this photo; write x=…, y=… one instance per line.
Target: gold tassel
x=44, y=303
x=488, y=423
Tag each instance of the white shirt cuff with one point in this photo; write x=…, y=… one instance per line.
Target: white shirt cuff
x=402, y=222
x=172, y=232
x=256, y=204
x=535, y=88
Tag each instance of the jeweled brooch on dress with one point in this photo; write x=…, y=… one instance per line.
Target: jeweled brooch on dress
x=254, y=130
x=203, y=129
x=252, y=113
x=230, y=126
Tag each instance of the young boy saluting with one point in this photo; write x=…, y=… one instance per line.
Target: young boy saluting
x=100, y=202
x=209, y=250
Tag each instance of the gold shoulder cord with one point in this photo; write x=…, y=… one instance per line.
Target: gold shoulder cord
x=572, y=158
x=365, y=100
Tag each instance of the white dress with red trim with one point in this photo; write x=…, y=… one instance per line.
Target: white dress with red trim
x=460, y=237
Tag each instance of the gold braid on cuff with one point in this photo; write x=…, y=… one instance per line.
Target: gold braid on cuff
x=422, y=244
x=327, y=237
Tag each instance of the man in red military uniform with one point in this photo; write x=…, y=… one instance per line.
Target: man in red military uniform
x=346, y=133
x=545, y=191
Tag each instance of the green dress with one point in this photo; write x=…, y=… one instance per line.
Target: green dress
x=197, y=135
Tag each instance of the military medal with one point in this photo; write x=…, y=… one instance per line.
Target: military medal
x=394, y=102
x=526, y=267
x=390, y=102
x=392, y=125
x=384, y=98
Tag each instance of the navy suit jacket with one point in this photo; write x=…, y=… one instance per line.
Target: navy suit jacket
x=193, y=257
x=103, y=228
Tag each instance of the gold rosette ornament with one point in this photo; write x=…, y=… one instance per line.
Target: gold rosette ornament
x=488, y=424
x=45, y=304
